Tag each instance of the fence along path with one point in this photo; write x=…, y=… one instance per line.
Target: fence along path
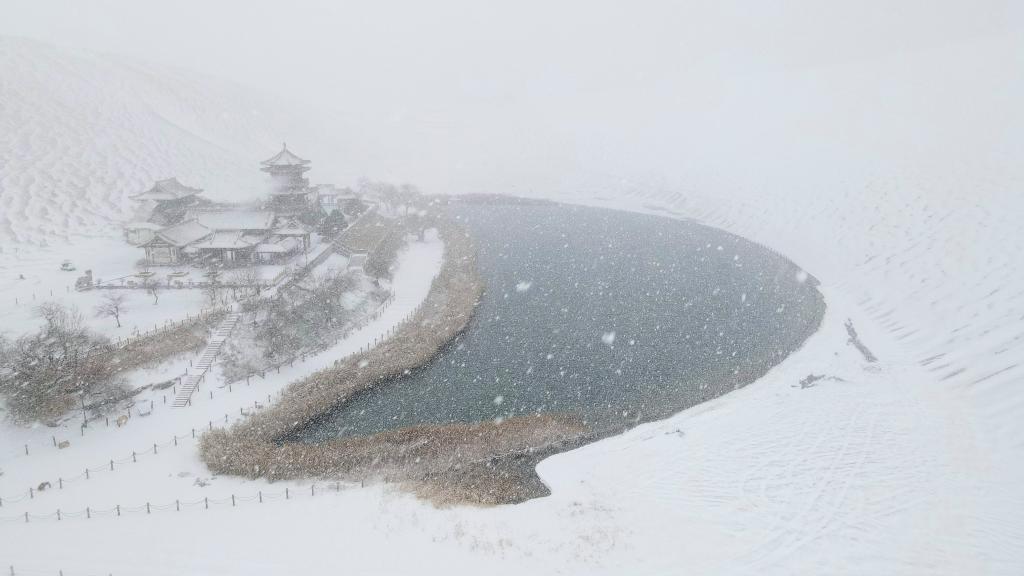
x=60, y=482
x=190, y=382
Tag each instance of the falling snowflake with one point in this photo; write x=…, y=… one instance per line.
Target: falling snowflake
x=608, y=338
x=523, y=286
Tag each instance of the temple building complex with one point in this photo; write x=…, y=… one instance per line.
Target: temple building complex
x=185, y=228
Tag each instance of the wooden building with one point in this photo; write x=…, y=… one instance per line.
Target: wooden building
x=170, y=200
x=226, y=238
x=168, y=245
x=290, y=193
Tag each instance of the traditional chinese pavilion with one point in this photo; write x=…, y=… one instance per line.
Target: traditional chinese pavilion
x=290, y=191
x=170, y=200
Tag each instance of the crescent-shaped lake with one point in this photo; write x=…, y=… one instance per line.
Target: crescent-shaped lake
x=614, y=317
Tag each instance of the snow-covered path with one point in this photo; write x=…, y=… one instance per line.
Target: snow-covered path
x=197, y=373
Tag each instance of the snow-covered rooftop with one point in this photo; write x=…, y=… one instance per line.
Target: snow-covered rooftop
x=224, y=240
x=169, y=189
x=234, y=219
x=184, y=233
x=285, y=158
x=291, y=227
x=279, y=247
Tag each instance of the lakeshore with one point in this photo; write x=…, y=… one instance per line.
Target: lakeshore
x=418, y=410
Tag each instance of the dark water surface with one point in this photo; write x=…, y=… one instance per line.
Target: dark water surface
x=612, y=316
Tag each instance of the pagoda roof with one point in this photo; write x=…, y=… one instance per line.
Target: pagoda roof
x=169, y=189
x=285, y=158
x=291, y=227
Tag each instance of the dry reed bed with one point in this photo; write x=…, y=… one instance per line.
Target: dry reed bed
x=151, y=350
x=477, y=463
x=254, y=448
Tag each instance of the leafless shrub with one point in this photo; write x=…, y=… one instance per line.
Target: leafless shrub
x=301, y=320
x=63, y=365
x=152, y=287
x=248, y=277
x=112, y=305
x=47, y=371
x=381, y=259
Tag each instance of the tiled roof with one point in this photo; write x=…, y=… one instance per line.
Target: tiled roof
x=184, y=233
x=169, y=189
x=285, y=158
x=223, y=240
x=234, y=219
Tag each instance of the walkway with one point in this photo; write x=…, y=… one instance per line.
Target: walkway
x=198, y=372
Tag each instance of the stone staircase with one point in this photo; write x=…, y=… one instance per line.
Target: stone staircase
x=198, y=371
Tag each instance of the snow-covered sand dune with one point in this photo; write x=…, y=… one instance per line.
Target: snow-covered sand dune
x=912, y=464
x=80, y=133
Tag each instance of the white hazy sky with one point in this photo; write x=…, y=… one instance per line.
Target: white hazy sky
x=508, y=96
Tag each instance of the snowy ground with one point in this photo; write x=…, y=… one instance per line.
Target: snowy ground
x=169, y=473
x=45, y=282
x=887, y=467
x=911, y=465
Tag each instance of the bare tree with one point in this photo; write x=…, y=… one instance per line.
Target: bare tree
x=112, y=305
x=388, y=194
x=408, y=195
x=45, y=372
x=212, y=289
x=152, y=287
x=249, y=278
